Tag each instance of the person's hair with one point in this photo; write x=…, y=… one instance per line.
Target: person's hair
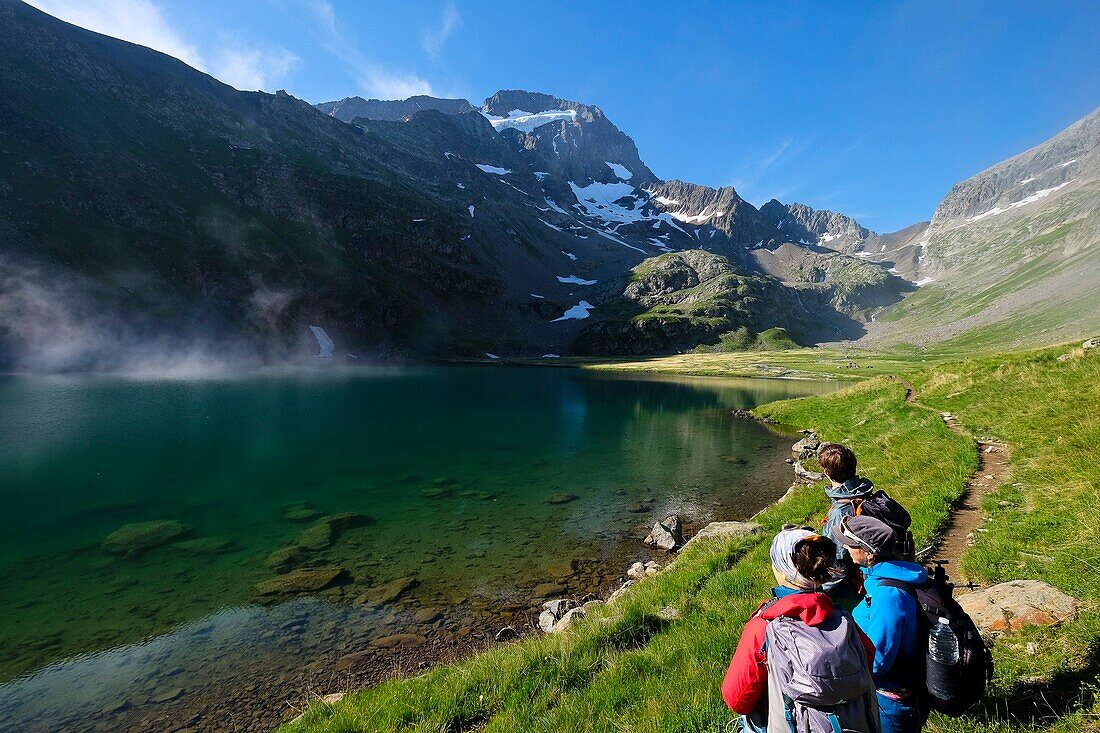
x=814, y=558
x=837, y=461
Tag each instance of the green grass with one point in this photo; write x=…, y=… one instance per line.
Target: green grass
x=625, y=669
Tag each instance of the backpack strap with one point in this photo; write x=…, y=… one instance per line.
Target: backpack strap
x=901, y=584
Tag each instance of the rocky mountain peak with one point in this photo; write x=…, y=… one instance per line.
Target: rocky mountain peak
x=568, y=139
x=804, y=225
x=350, y=108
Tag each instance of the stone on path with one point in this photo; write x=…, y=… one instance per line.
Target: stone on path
x=303, y=580
x=666, y=534
x=132, y=539
x=726, y=530
x=1011, y=606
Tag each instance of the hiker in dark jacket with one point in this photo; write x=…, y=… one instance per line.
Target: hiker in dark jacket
x=888, y=615
x=801, y=561
x=853, y=495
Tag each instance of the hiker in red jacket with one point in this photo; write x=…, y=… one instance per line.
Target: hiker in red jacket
x=801, y=561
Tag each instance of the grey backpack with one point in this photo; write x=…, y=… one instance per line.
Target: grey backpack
x=819, y=679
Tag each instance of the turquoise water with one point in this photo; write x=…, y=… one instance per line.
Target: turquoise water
x=453, y=467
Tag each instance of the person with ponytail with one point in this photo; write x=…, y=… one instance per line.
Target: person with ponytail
x=801, y=562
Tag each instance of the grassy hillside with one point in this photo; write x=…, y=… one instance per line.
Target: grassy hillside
x=624, y=668
x=1011, y=280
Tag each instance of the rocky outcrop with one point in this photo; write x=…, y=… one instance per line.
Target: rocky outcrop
x=1018, y=603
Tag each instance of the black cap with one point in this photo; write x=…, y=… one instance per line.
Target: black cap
x=868, y=533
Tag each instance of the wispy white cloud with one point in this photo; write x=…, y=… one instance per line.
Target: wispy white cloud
x=433, y=39
x=252, y=68
x=770, y=160
x=374, y=79
x=378, y=82
x=144, y=22
x=137, y=21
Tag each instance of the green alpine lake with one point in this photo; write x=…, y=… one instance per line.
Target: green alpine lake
x=161, y=538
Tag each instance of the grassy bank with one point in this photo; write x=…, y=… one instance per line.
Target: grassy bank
x=624, y=668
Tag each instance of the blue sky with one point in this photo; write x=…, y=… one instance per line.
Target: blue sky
x=870, y=108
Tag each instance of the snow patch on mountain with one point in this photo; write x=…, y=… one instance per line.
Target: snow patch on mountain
x=524, y=121
x=598, y=200
x=620, y=170
x=576, y=280
x=577, y=312
x=1015, y=204
x=495, y=170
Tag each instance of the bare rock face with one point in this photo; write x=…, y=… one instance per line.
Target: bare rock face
x=726, y=530
x=666, y=534
x=1018, y=603
x=806, y=475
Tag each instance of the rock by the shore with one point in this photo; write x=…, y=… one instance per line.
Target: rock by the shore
x=354, y=660
x=666, y=534
x=561, y=498
x=807, y=447
x=302, y=580
x=1018, y=603
x=726, y=530
x=806, y=474
x=554, y=611
x=389, y=592
x=620, y=591
x=570, y=616
x=132, y=539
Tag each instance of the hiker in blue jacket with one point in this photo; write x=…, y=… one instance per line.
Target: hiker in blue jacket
x=888, y=616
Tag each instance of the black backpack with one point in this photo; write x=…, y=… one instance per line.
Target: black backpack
x=880, y=506
x=949, y=688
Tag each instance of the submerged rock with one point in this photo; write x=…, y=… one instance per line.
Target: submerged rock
x=285, y=558
x=301, y=515
x=302, y=580
x=561, y=498
x=132, y=539
x=207, y=546
x=399, y=641
x=547, y=589
x=323, y=533
x=388, y=592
